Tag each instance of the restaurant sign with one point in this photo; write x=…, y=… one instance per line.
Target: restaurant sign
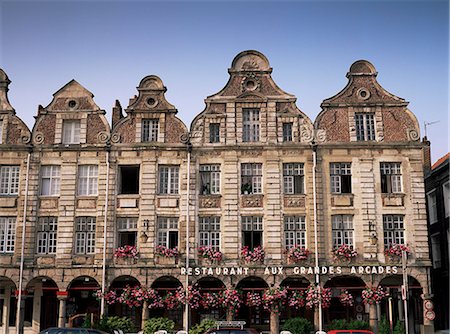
x=280, y=270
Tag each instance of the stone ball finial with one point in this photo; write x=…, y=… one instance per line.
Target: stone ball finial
x=362, y=67
x=250, y=60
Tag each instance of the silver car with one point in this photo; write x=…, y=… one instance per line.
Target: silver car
x=71, y=331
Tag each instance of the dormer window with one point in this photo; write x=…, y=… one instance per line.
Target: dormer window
x=71, y=131
x=365, y=126
x=250, y=124
x=150, y=130
x=214, y=132
x=287, y=132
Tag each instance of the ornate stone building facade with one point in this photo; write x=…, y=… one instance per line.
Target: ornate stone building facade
x=255, y=171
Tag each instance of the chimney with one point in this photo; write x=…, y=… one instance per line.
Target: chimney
x=426, y=156
x=116, y=114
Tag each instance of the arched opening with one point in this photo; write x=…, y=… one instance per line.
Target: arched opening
x=209, y=285
x=393, y=285
x=166, y=285
x=45, y=289
x=8, y=302
x=338, y=308
x=254, y=316
x=81, y=299
x=299, y=285
x=121, y=309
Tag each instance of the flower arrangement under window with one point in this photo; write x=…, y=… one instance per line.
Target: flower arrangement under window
x=257, y=255
x=315, y=296
x=298, y=253
x=208, y=252
x=231, y=300
x=161, y=250
x=273, y=299
x=297, y=299
x=346, y=298
x=126, y=251
x=253, y=299
x=397, y=250
x=373, y=295
x=344, y=252
x=212, y=300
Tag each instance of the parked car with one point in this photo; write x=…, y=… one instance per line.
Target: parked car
x=232, y=331
x=60, y=330
x=349, y=331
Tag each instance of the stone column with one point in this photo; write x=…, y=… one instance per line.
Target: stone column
x=229, y=314
x=316, y=318
x=37, y=308
x=6, y=308
x=145, y=314
x=62, y=297
x=373, y=319
x=274, y=323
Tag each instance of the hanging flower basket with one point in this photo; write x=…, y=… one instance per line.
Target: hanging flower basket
x=207, y=252
x=194, y=297
x=297, y=299
x=394, y=251
x=164, y=251
x=171, y=301
x=344, y=253
x=126, y=251
x=346, y=298
x=274, y=299
x=316, y=295
x=373, y=295
x=297, y=254
x=110, y=296
x=231, y=300
x=256, y=255
x=253, y=299
x=212, y=300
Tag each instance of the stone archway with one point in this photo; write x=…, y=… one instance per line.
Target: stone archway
x=166, y=286
x=42, y=290
x=256, y=317
x=393, y=285
x=121, y=309
x=208, y=285
x=296, y=284
x=8, y=303
x=81, y=299
x=354, y=286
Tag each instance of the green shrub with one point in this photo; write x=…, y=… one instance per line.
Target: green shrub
x=358, y=324
x=298, y=326
x=399, y=328
x=383, y=327
x=87, y=321
x=108, y=324
x=155, y=324
x=338, y=324
x=203, y=326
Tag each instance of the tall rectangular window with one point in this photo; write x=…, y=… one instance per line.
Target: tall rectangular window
x=210, y=179
x=129, y=179
x=7, y=234
x=342, y=230
x=341, y=177
x=46, y=235
x=71, y=131
x=391, y=177
x=394, y=230
x=150, y=130
x=293, y=178
x=251, y=178
x=87, y=180
x=214, y=132
x=287, y=132
x=432, y=207
x=168, y=232
x=9, y=180
x=446, y=195
x=85, y=235
x=436, y=251
x=50, y=180
x=1, y=131
x=365, y=126
x=168, y=179
x=250, y=121
x=209, y=229
x=252, y=231
x=127, y=231
x=294, y=231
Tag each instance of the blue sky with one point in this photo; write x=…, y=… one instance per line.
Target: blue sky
x=109, y=46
